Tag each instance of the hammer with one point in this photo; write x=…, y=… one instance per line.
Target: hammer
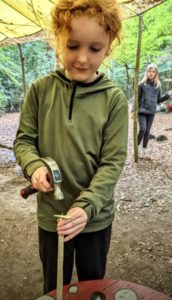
x=55, y=180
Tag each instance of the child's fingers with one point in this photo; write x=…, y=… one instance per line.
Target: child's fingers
x=70, y=232
x=72, y=235
x=74, y=225
x=77, y=216
x=66, y=227
x=40, y=180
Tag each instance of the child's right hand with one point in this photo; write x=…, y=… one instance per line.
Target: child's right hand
x=41, y=180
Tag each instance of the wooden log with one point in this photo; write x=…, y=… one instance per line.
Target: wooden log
x=6, y=147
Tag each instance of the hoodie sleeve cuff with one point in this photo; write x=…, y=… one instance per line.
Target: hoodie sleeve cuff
x=88, y=208
x=32, y=167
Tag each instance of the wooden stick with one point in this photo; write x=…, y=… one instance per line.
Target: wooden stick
x=60, y=258
x=6, y=147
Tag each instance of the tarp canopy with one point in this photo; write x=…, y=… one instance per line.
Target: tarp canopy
x=25, y=20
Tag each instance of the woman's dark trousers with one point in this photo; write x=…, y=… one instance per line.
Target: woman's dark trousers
x=145, y=123
x=88, y=250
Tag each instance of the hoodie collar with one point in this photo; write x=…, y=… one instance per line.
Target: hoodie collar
x=61, y=74
x=80, y=89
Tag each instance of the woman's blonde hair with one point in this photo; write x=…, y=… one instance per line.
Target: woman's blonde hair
x=107, y=11
x=145, y=78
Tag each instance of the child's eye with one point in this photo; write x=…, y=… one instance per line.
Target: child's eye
x=72, y=47
x=95, y=49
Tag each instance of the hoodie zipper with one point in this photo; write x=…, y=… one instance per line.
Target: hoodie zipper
x=74, y=85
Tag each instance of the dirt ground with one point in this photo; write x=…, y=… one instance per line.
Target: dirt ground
x=141, y=247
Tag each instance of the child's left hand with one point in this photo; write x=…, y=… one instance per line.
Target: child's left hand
x=74, y=225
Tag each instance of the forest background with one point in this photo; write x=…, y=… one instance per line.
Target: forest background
x=40, y=58
x=141, y=245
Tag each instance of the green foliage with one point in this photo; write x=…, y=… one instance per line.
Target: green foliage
x=156, y=44
x=39, y=60
x=119, y=74
x=156, y=35
x=9, y=79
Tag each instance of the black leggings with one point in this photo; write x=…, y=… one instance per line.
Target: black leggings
x=145, y=123
x=88, y=249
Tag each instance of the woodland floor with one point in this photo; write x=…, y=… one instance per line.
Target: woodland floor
x=141, y=247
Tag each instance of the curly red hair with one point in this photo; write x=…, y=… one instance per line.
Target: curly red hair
x=107, y=11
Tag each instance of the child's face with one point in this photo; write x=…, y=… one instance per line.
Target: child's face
x=84, y=48
x=151, y=74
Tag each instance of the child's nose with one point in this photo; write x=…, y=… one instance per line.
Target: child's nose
x=82, y=56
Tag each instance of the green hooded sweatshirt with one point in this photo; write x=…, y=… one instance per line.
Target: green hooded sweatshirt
x=84, y=128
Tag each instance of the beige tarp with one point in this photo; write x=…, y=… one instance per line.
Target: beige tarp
x=22, y=20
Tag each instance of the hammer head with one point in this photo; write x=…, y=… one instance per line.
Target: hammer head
x=56, y=178
x=58, y=195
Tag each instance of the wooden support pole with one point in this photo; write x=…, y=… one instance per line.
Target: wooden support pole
x=22, y=58
x=136, y=81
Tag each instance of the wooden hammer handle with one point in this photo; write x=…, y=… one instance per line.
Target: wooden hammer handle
x=27, y=191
